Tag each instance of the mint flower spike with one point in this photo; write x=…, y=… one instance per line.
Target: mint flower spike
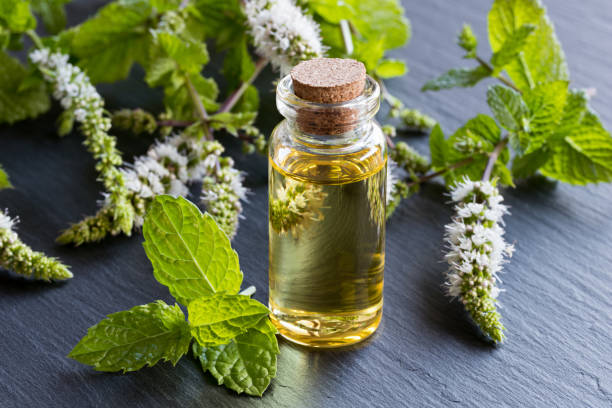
x=76, y=94
x=476, y=253
x=167, y=168
x=222, y=191
x=21, y=259
x=283, y=33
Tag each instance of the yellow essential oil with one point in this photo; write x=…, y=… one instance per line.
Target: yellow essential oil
x=327, y=223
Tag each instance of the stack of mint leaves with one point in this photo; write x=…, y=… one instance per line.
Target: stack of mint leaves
x=234, y=339
x=549, y=126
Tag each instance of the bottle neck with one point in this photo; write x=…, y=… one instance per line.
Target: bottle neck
x=332, y=125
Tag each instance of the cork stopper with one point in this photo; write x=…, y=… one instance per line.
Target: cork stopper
x=328, y=81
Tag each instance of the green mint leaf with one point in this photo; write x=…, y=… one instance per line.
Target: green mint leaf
x=246, y=364
x=52, y=14
x=511, y=47
x=390, y=68
x=460, y=77
x=546, y=103
x=468, y=41
x=475, y=140
x=178, y=101
x=581, y=149
x=222, y=21
x=189, y=252
x=110, y=42
x=190, y=56
x=238, y=65
x=15, y=16
x=231, y=122
x=380, y=19
x=541, y=58
x=437, y=147
x=508, y=107
x=528, y=164
x=16, y=104
x=249, y=101
x=4, y=180
x=218, y=318
x=165, y=5
x=129, y=340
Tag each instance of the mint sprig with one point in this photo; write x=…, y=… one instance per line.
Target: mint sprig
x=234, y=338
x=549, y=126
x=129, y=340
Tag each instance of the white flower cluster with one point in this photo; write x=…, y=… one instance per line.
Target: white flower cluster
x=169, y=166
x=477, y=252
x=6, y=222
x=282, y=33
x=77, y=95
x=21, y=259
x=222, y=191
x=72, y=88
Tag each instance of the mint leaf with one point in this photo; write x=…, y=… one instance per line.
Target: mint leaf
x=129, y=340
x=546, y=103
x=189, y=252
x=474, y=141
x=231, y=122
x=222, y=21
x=238, y=65
x=248, y=102
x=541, y=58
x=165, y=5
x=508, y=107
x=380, y=19
x=52, y=14
x=581, y=147
x=391, y=68
x=16, y=104
x=460, y=77
x=246, y=364
x=511, y=47
x=15, y=16
x=109, y=43
x=437, y=147
x=190, y=56
x=528, y=164
x=4, y=180
x=218, y=318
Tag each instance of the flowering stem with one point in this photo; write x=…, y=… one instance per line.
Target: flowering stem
x=502, y=78
x=175, y=123
x=453, y=166
x=199, y=107
x=493, y=158
x=235, y=96
x=35, y=38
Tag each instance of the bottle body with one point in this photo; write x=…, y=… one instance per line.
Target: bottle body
x=327, y=233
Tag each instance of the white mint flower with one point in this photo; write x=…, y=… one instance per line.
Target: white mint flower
x=477, y=252
x=21, y=259
x=73, y=89
x=282, y=33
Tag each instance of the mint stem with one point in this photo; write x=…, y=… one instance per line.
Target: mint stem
x=35, y=39
x=493, y=158
x=200, y=110
x=502, y=78
x=235, y=96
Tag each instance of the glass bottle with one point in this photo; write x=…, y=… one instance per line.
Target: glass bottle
x=327, y=193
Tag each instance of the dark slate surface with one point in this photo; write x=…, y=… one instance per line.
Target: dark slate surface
x=557, y=304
